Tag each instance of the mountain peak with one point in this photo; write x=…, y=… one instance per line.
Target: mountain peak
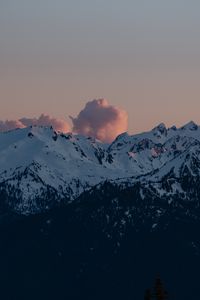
x=190, y=126
x=160, y=128
x=122, y=136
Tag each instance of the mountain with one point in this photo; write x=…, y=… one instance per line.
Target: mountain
x=80, y=219
x=41, y=168
x=109, y=244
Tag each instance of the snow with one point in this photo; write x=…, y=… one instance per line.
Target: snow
x=154, y=225
x=35, y=157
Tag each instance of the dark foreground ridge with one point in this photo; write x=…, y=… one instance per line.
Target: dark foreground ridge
x=109, y=244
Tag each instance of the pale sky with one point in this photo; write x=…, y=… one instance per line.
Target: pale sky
x=141, y=55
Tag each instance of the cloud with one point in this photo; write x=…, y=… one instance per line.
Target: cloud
x=101, y=120
x=9, y=125
x=43, y=120
x=98, y=119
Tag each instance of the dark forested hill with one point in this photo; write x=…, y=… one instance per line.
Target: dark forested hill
x=109, y=244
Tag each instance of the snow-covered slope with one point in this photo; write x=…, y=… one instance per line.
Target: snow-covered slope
x=40, y=167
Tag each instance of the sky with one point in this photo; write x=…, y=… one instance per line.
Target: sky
x=143, y=56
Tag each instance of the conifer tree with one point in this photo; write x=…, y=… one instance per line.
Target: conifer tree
x=159, y=291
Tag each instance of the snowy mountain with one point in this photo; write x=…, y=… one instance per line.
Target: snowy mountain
x=41, y=168
x=133, y=211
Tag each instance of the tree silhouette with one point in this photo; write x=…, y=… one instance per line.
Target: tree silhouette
x=159, y=290
x=158, y=293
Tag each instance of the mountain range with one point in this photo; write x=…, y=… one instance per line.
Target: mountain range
x=80, y=219
x=40, y=168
